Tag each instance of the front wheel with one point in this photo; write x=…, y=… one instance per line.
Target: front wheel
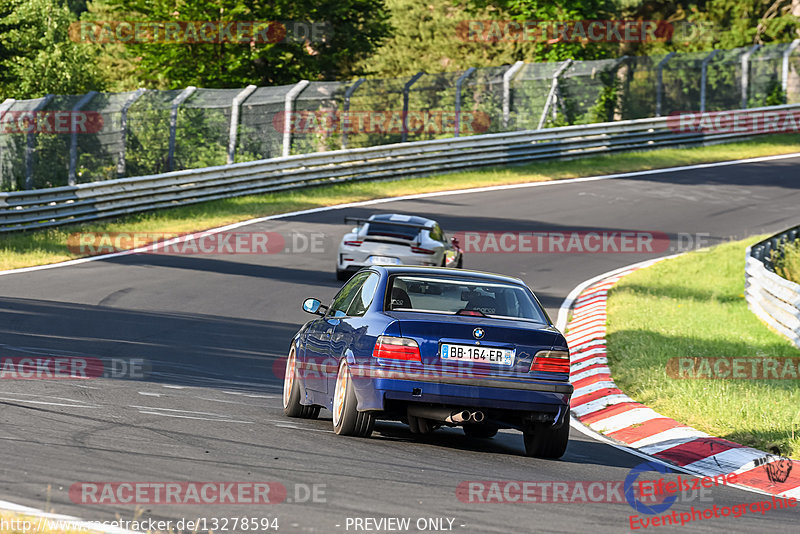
x=291, y=392
x=544, y=441
x=347, y=420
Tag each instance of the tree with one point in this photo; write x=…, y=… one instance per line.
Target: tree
x=350, y=31
x=546, y=10
x=36, y=55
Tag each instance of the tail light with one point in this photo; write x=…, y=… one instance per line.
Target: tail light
x=353, y=243
x=396, y=348
x=420, y=250
x=551, y=361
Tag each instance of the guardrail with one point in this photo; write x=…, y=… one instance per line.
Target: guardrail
x=771, y=297
x=84, y=202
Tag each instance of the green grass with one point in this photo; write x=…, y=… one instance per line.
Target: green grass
x=38, y=247
x=693, y=306
x=788, y=263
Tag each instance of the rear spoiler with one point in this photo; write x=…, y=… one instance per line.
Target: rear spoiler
x=358, y=220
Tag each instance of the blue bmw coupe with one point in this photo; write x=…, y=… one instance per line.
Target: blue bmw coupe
x=433, y=347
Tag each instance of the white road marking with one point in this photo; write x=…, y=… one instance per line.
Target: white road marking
x=215, y=419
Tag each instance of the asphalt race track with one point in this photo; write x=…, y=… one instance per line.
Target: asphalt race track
x=213, y=326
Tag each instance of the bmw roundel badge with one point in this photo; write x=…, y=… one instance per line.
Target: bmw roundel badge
x=478, y=333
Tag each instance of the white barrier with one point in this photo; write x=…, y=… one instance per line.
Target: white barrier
x=772, y=298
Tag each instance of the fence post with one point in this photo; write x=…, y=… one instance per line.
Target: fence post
x=4, y=107
x=235, y=105
x=507, y=76
x=288, y=107
x=704, y=79
x=406, y=90
x=552, y=94
x=660, y=81
x=459, y=82
x=346, y=109
x=785, y=69
x=746, y=73
x=31, y=145
x=619, y=99
x=72, y=176
x=124, y=126
x=173, y=123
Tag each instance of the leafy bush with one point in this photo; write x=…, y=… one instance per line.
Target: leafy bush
x=787, y=262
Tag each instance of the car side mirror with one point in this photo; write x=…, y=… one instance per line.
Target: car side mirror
x=313, y=305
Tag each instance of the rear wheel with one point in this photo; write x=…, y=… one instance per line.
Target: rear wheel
x=544, y=441
x=347, y=420
x=291, y=392
x=460, y=263
x=342, y=275
x=480, y=431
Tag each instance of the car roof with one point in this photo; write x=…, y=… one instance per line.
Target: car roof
x=400, y=218
x=407, y=269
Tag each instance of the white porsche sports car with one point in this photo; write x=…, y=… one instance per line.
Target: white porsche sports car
x=394, y=239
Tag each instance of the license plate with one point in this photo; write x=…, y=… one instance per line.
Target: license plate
x=477, y=354
x=383, y=260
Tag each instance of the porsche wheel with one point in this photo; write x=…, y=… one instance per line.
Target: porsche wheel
x=347, y=420
x=291, y=392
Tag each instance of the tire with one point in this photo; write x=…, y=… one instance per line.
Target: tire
x=460, y=264
x=544, y=441
x=347, y=420
x=480, y=431
x=342, y=275
x=291, y=392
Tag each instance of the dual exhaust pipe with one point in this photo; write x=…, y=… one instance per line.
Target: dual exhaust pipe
x=446, y=415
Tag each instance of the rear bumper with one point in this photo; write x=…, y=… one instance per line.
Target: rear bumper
x=527, y=395
x=357, y=261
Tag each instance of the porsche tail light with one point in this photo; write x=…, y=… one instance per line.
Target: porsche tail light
x=420, y=250
x=396, y=348
x=354, y=243
x=551, y=361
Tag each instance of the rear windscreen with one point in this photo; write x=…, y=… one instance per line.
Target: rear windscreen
x=392, y=230
x=463, y=297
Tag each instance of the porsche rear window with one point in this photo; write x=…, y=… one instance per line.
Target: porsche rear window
x=463, y=297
